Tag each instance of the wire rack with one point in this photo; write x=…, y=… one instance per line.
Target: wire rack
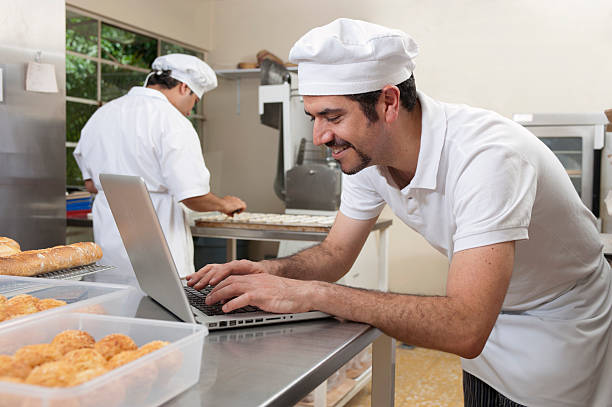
x=75, y=273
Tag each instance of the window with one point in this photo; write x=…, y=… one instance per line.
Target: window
x=103, y=61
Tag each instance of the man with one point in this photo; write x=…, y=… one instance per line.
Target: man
x=528, y=293
x=146, y=133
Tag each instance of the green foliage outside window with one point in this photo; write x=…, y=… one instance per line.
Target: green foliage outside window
x=169, y=48
x=79, y=113
x=127, y=48
x=81, y=34
x=118, y=81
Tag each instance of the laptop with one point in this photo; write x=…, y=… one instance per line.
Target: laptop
x=154, y=266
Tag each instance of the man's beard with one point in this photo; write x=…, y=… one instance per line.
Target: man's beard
x=365, y=161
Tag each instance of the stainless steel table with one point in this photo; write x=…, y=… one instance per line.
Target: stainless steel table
x=277, y=365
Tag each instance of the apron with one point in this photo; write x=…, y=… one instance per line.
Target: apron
x=565, y=343
x=173, y=222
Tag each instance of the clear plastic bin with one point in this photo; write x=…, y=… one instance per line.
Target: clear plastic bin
x=82, y=297
x=147, y=381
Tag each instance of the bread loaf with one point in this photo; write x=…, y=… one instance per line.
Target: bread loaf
x=8, y=246
x=33, y=262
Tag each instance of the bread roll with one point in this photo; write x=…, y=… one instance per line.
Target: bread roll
x=8, y=246
x=33, y=262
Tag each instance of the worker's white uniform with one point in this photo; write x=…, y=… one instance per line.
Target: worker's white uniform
x=483, y=179
x=143, y=134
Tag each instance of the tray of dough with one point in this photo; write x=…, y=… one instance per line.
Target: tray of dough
x=267, y=221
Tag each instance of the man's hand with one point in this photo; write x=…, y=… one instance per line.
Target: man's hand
x=229, y=205
x=215, y=273
x=232, y=205
x=267, y=292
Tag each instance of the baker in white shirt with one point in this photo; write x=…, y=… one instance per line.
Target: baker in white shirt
x=528, y=297
x=147, y=133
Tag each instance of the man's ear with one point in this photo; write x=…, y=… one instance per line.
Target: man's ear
x=390, y=98
x=184, y=89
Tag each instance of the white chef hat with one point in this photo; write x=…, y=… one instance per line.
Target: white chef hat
x=348, y=57
x=188, y=69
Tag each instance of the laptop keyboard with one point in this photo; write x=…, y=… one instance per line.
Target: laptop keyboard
x=197, y=299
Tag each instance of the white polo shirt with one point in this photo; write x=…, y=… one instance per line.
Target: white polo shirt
x=143, y=134
x=483, y=179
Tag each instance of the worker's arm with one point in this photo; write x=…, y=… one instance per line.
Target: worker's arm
x=327, y=261
x=90, y=186
x=459, y=322
x=210, y=202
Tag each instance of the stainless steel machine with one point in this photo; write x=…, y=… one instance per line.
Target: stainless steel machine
x=32, y=125
x=580, y=142
x=307, y=177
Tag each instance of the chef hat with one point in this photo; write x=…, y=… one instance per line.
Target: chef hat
x=348, y=57
x=188, y=69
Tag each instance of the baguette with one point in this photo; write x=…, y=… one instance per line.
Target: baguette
x=34, y=262
x=8, y=246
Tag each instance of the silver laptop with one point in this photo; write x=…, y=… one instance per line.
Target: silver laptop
x=155, y=269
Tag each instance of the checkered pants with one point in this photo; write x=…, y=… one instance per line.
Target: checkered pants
x=477, y=393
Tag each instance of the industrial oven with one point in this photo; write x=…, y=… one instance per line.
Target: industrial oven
x=584, y=148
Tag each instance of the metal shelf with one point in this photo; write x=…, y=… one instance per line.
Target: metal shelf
x=245, y=73
x=238, y=74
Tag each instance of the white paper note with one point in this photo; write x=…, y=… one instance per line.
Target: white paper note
x=41, y=78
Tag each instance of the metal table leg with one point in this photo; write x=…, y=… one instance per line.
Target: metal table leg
x=230, y=249
x=383, y=371
x=383, y=260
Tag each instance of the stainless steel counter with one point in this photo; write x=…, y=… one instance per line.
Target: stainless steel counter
x=278, y=365
x=263, y=234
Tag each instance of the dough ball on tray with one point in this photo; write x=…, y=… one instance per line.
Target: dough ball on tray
x=13, y=368
x=22, y=304
x=73, y=339
x=114, y=344
x=52, y=374
x=85, y=359
x=48, y=303
x=35, y=355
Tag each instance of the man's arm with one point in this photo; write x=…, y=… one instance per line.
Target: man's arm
x=327, y=261
x=90, y=186
x=459, y=322
x=210, y=202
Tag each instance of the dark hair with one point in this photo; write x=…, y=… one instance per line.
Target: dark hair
x=367, y=101
x=164, y=79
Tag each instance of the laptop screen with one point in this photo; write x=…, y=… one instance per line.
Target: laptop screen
x=145, y=243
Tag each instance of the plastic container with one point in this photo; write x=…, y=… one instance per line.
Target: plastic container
x=83, y=297
x=147, y=381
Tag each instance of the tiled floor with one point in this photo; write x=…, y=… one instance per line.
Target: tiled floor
x=423, y=377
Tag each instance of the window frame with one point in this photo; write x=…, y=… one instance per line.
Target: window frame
x=198, y=115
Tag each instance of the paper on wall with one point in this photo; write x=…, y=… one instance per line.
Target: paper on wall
x=41, y=78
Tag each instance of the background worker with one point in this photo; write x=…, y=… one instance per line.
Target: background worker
x=146, y=133
x=528, y=298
